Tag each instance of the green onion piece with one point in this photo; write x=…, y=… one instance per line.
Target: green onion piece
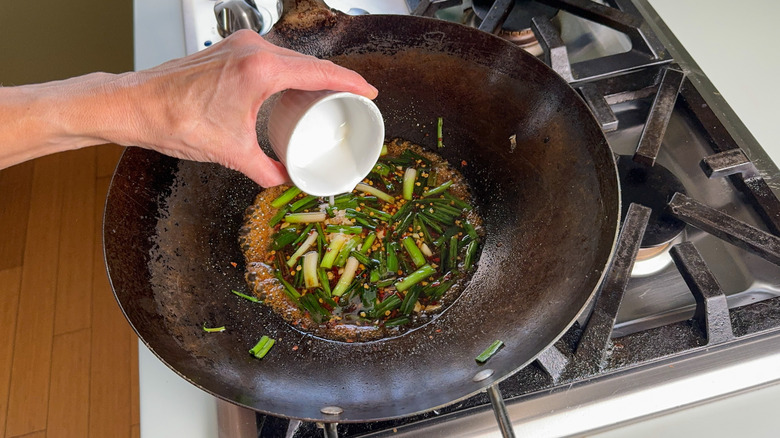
x=262, y=347
x=288, y=288
x=410, y=299
x=345, y=250
x=368, y=242
x=303, y=203
x=213, y=329
x=247, y=297
x=388, y=305
x=401, y=320
x=378, y=214
x=364, y=259
x=302, y=249
x=286, y=197
x=333, y=250
x=278, y=216
x=392, y=256
x=305, y=218
x=324, y=281
x=345, y=229
x=414, y=252
x=415, y=277
x=410, y=176
x=471, y=250
x=365, y=188
x=439, y=136
x=382, y=169
x=346, y=278
x=490, y=351
x=384, y=150
x=452, y=258
x=470, y=229
x=284, y=237
x=310, y=278
x=438, y=190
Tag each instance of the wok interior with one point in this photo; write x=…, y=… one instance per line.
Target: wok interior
x=545, y=184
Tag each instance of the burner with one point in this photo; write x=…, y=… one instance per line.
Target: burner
x=652, y=187
x=517, y=26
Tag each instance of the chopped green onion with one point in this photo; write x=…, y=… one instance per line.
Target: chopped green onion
x=302, y=249
x=262, y=347
x=365, y=188
x=392, y=256
x=471, y=250
x=382, y=169
x=410, y=176
x=438, y=190
x=284, y=237
x=247, y=297
x=333, y=250
x=367, y=243
x=490, y=351
x=410, y=299
x=414, y=252
x=415, y=277
x=345, y=250
x=305, y=218
x=310, y=279
x=401, y=320
x=307, y=201
x=385, y=307
x=278, y=216
x=346, y=229
x=213, y=329
x=346, y=278
x=439, y=136
x=286, y=197
x=323, y=276
x=364, y=259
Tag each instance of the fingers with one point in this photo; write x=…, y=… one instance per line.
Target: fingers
x=263, y=170
x=316, y=74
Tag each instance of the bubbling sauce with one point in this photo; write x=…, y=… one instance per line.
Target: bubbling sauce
x=412, y=253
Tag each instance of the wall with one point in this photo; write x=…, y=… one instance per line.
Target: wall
x=43, y=40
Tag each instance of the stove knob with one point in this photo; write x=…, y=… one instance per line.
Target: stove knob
x=258, y=15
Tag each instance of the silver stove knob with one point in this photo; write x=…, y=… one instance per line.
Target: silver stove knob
x=258, y=15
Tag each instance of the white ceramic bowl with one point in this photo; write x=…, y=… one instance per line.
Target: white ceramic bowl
x=328, y=141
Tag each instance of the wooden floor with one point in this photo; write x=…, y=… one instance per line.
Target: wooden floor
x=68, y=360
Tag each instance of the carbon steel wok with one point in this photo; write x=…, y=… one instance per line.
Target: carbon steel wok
x=550, y=204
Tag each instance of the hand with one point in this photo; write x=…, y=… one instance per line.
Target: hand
x=201, y=107
x=205, y=105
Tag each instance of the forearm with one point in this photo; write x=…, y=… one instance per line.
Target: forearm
x=42, y=119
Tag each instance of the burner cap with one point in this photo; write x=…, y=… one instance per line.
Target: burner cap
x=520, y=16
x=652, y=187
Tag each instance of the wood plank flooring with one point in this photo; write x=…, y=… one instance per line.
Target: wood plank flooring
x=68, y=360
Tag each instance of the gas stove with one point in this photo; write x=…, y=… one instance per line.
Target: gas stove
x=696, y=315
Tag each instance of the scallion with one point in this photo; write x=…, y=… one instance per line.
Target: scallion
x=286, y=197
x=415, y=277
x=262, y=347
x=410, y=177
x=213, y=329
x=246, y=297
x=490, y=351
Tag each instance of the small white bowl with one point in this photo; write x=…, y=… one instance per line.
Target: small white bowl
x=328, y=141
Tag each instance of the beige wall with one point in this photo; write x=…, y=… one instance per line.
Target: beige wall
x=43, y=40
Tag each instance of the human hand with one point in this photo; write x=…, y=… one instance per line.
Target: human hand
x=204, y=107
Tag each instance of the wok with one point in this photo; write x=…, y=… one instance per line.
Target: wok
x=546, y=186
